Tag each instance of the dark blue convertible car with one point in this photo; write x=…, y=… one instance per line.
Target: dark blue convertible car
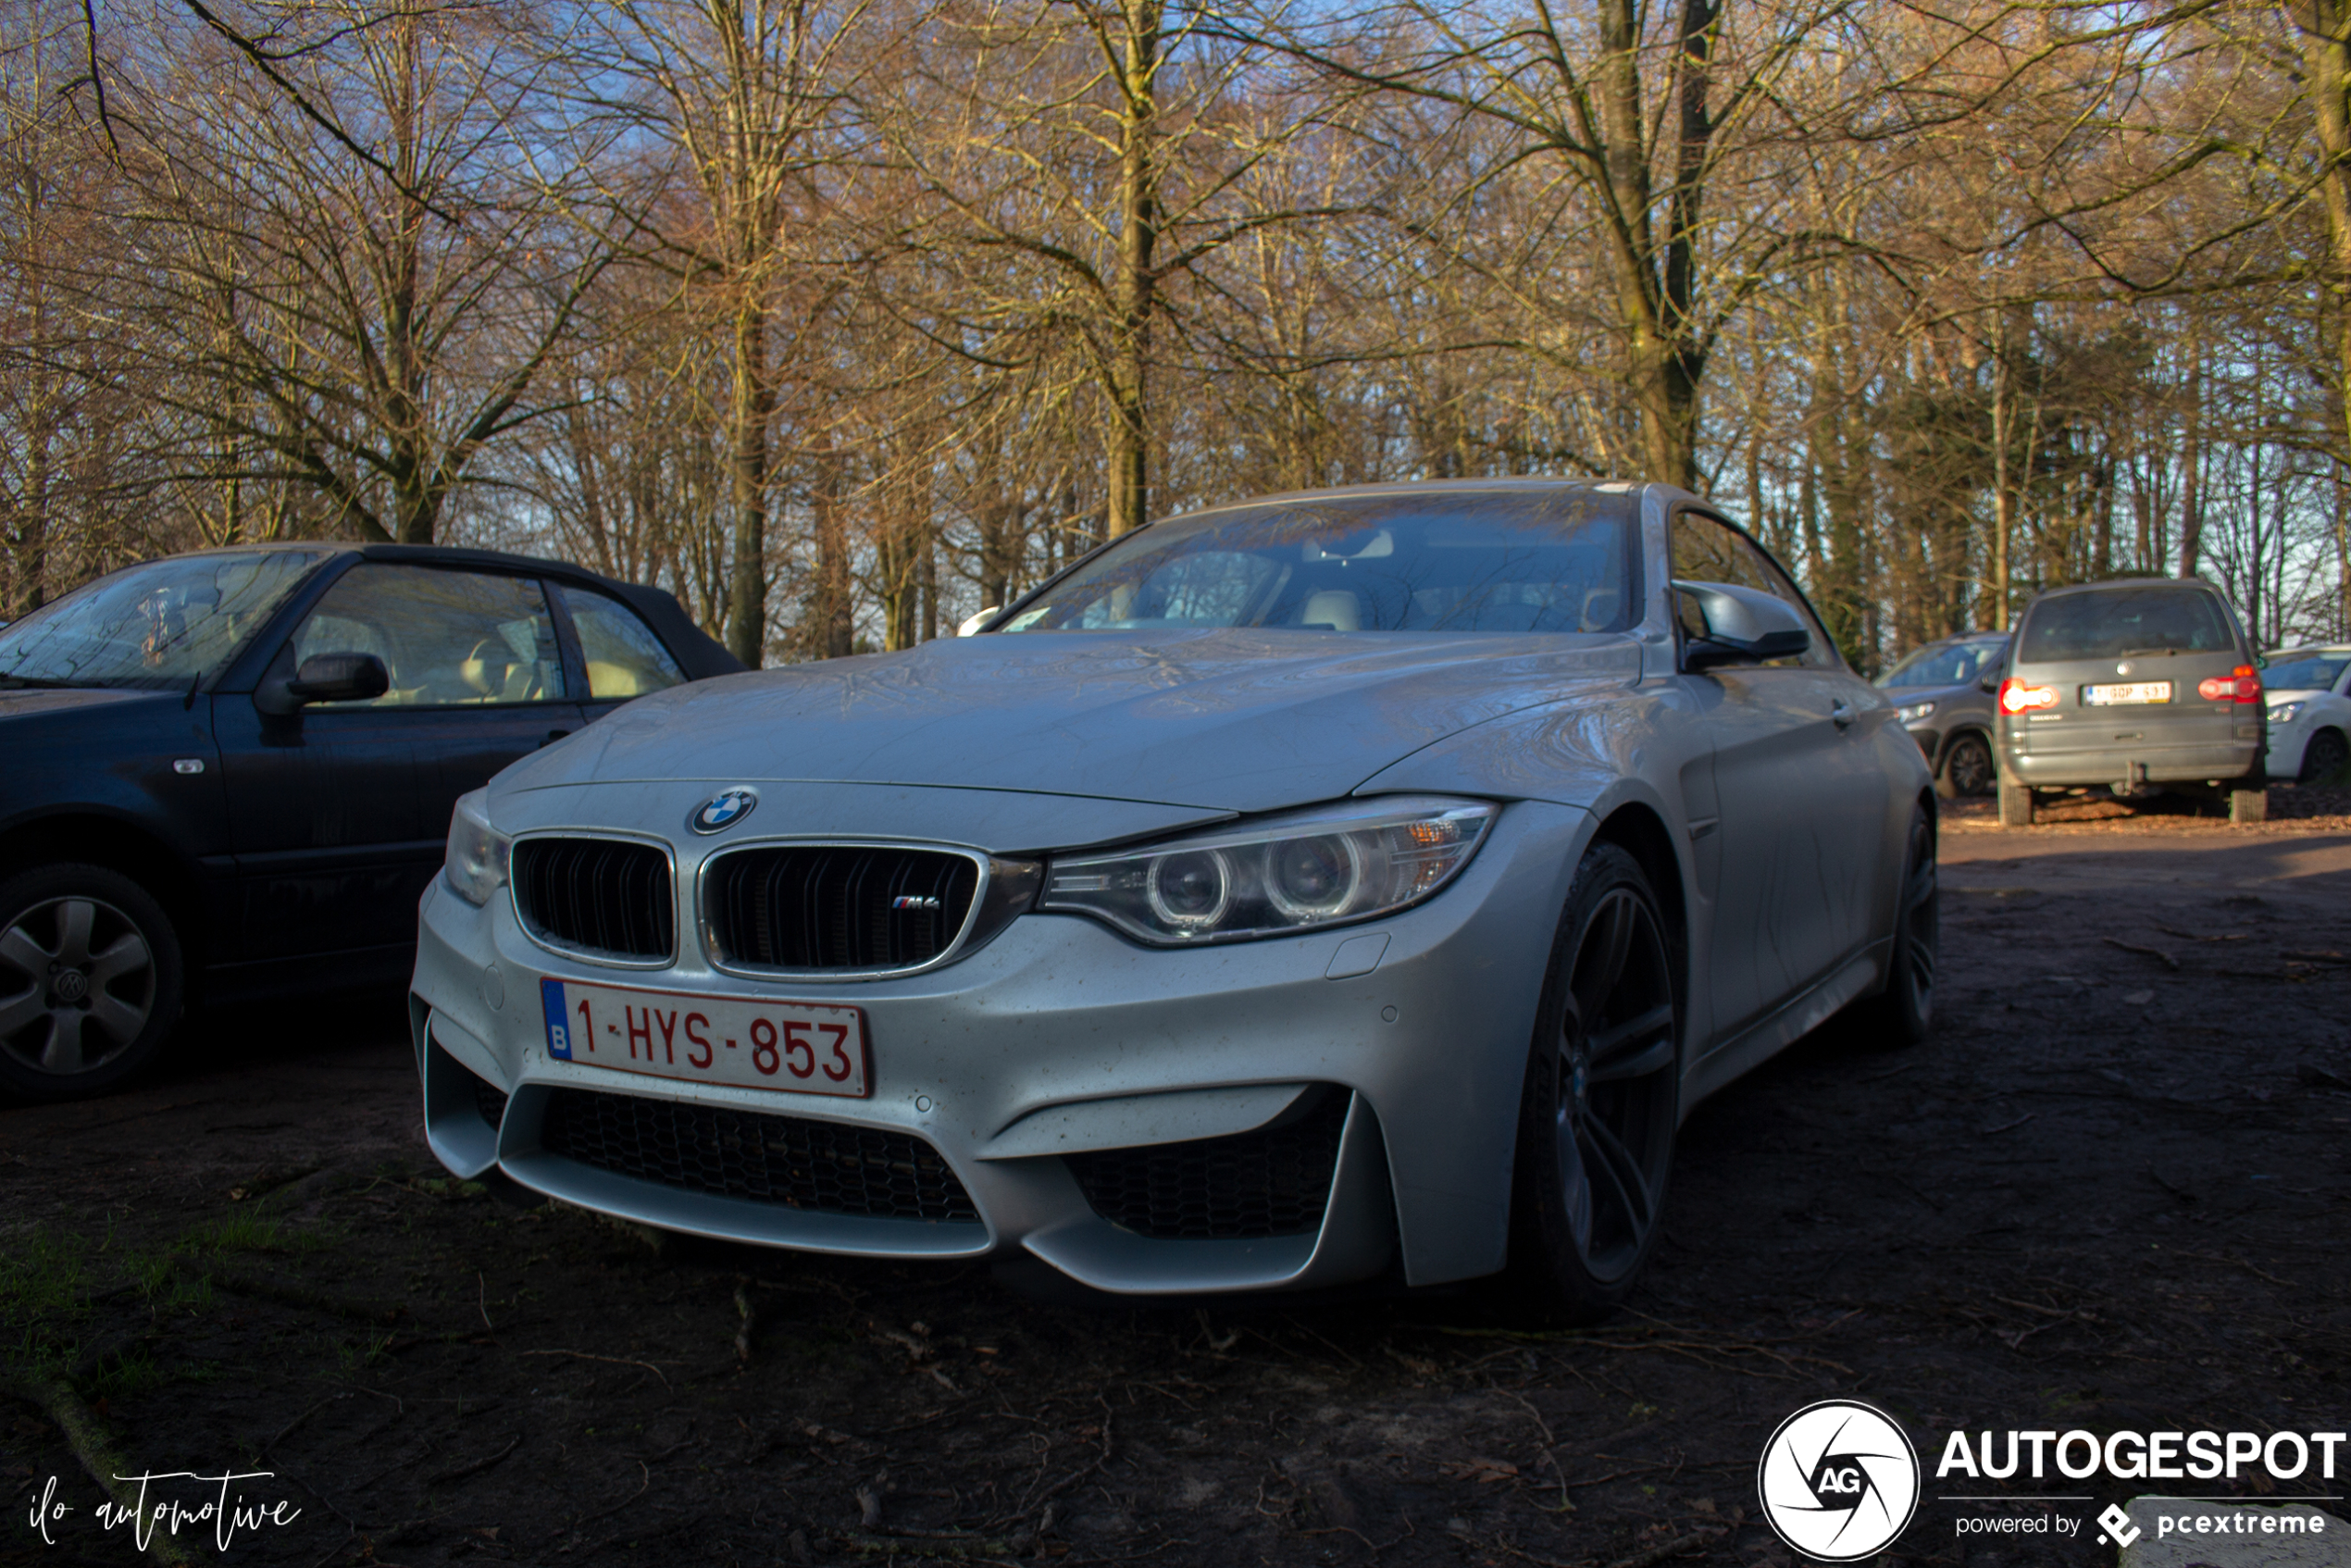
x=228, y=774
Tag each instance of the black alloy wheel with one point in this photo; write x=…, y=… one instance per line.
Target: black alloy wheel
x=2327, y=756
x=89, y=980
x=1603, y=1098
x=1967, y=770
x=1904, y=1011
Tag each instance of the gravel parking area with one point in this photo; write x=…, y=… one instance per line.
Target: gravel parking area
x=2113, y=1191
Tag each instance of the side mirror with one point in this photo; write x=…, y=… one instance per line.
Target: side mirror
x=972, y=623
x=325, y=678
x=1742, y=626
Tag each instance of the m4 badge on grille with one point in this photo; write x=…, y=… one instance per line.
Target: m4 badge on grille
x=914, y=901
x=723, y=810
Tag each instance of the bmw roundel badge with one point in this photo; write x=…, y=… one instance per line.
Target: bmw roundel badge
x=723, y=810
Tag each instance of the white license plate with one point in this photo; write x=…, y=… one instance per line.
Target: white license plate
x=808, y=1047
x=2134, y=691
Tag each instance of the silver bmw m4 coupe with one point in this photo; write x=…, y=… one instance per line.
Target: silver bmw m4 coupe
x=1347, y=886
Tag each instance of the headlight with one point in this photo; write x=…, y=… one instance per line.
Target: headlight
x=476, y=863
x=1910, y=713
x=2284, y=712
x=1291, y=873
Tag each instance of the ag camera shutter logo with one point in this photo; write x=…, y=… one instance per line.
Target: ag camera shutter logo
x=1839, y=1480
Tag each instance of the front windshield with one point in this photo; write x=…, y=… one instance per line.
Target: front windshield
x=1944, y=663
x=158, y=625
x=2303, y=672
x=1497, y=561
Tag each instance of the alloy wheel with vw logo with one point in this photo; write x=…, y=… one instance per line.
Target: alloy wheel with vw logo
x=1839, y=1480
x=723, y=810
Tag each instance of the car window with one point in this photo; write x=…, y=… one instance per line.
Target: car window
x=1543, y=561
x=1944, y=663
x=2304, y=672
x=1708, y=549
x=2115, y=622
x=624, y=658
x=445, y=636
x=162, y=624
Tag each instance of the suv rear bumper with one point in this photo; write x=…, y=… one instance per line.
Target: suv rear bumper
x=2113, y=764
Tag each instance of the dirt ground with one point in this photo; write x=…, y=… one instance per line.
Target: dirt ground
x=2111, y=1193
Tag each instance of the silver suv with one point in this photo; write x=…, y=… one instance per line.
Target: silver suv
x=1943, y=695
x=2137, y=685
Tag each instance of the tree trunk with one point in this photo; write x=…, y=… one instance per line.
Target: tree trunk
x=834, y=634
x=751, y=403
x=1137, y=285
x=2003, y=521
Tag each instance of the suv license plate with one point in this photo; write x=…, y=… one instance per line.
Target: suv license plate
x=808, y=1047
x=2137, y=691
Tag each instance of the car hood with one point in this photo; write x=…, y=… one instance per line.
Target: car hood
x=1226, y=720
x=1903, y=696
x=38, y=702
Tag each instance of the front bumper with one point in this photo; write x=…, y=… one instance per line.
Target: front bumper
x=1061, y=1037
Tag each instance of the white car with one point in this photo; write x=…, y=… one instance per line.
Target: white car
x=2308, y=690
x=1286, y=894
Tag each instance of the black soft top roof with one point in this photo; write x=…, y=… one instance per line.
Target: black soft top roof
x=701, y=656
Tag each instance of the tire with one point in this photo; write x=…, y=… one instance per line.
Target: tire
x=1601, y=1099
x=90, y=981
x=1904, y=1011
x=1968, y=768
x=2016, y=805
x=2326, y=755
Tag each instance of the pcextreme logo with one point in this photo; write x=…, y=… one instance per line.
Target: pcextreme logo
x=1839, y=1481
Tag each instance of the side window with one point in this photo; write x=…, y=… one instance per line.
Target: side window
x=446, y=638
x=624, y=658
x=1708, y=549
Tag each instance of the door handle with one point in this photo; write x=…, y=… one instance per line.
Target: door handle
x=1842, y=712
x=553, y=736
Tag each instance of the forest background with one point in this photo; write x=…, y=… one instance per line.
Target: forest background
x=844, y=318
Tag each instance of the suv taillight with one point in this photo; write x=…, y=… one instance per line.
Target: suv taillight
x=2016, y=697
x=2242, y=684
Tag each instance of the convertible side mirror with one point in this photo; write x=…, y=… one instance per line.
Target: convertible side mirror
x=1742, y=626
x=325, y=678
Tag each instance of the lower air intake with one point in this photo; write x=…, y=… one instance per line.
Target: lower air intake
x=1275, y=1181
x=490, y=1099
x=821, y=1166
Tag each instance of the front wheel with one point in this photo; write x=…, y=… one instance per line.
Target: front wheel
x=1601, y=1099
x=90, y=981
x=1966, y=768
x=2327, y=754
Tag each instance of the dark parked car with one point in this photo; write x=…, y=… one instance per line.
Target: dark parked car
x=228, y=774
x=1943, y=695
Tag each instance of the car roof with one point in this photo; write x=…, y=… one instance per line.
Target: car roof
x=1627, y=489
x=2110, y=584
x=2306, y=650
x=701, y=655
